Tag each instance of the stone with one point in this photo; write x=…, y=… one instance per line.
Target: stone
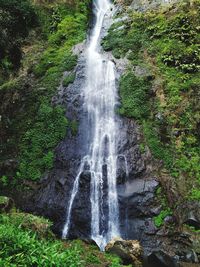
x=161, y=258
x=130, y=251
x=189, y=213
x=79, y=48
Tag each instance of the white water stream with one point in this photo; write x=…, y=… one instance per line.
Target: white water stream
x=100, y=99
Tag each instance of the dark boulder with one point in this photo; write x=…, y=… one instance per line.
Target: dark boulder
x=161, y=259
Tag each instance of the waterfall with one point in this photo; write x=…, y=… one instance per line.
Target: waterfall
x=100, y=96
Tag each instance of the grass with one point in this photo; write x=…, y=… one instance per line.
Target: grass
x=26, y=240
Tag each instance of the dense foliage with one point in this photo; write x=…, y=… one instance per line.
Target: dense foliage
x=31, y=126
x=165, y=210
x=16, y=20
x=26, y=240
x=39, y=142
x=166, y=41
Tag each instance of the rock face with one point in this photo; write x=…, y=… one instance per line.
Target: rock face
x=129, y=251
x=53, y=193
x=190, y=214
x=136, y=185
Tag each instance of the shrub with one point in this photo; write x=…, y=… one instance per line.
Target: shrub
x=134, y=96
x=39, y=142
x=69, y=79
x=159, y=220
x=195, y=194
x=17, y=18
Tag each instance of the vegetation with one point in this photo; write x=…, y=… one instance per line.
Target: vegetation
x=68, y=79
x=31, y=126
x=17, y=18
x=165, y=40
x=39, y=142
x=26, y=240
x=165, y=211
x=159, y=220
x=135, y=100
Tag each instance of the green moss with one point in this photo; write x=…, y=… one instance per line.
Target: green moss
x=10, y=85
x=167, y=40
x=69, y=79
x=134, y=96
x=166, y=211
x=195, y=194
x=74, y=127
x=49, y=125
x=4, y=180
x=35, y=131
x=152, y=138
x=159, y=220
x=36, y=149
x=142, y=148
x=3, y=200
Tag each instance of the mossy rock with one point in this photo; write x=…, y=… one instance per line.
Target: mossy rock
x=6, y=204
x=34, y=223
x=69, y=79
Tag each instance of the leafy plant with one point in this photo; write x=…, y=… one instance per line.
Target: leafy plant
x=39, y=142
x=26, y=240
x=159, y=220
x=134, y=96
x=4, y=180
x=68, y=79
x=195, y=194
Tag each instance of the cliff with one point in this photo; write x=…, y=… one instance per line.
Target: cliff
x=155, y=48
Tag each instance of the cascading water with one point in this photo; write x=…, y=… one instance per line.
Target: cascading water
x=100, y=99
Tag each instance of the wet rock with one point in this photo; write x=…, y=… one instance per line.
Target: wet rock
x=135, y=199
x=150, y=228
x=169, y=219
x=79, y=48
x=161, y=259
x=129, y=251
x=192, y=221
x=189, y=213
x=120, y=64
x=81, y=211
x=129, y=148
x=156, y=210
x=122, y=170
